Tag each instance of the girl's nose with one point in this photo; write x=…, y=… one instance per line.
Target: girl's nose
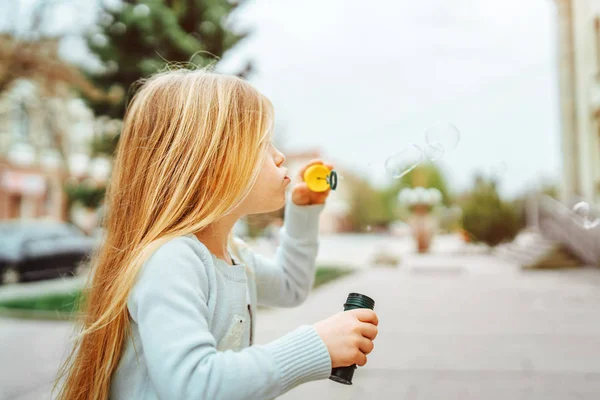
x=279, y=158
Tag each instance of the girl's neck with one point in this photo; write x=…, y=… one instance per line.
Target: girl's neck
x=216, y=236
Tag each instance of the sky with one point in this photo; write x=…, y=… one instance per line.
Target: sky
x=362, y=81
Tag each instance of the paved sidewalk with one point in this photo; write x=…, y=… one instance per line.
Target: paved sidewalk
x=452, y=326
x=465, y=328
x=30, y=354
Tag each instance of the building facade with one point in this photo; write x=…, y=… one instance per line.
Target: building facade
x=579, y=76
x=42, y=143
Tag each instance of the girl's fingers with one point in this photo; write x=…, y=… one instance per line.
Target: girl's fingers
x=361, y=359
x=369, y=331
x=366, y=346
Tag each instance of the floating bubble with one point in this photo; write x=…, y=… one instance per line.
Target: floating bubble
x=434, y=152
x=587, y=224
x=583, y=210
x=445, y=136
x=404, y=161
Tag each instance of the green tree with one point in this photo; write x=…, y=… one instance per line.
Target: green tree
x=372, y=206
x=486, y=217
x=134, y=41
x=368, y=205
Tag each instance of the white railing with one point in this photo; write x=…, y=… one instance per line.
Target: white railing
x=558, y=222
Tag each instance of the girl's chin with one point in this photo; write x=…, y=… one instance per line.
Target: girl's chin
x=276, y=206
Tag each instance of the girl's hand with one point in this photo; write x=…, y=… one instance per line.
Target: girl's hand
x=302, y=195
x=349, y=336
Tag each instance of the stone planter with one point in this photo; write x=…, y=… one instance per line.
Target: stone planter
x=423, y=227
x=420, y=202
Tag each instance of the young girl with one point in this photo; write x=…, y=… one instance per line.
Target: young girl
x=170, y=310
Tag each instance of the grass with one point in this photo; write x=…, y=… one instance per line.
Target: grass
x=66, y=303
x=61, y=303
x=327, y=274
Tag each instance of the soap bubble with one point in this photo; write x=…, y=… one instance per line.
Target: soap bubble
x=434, y=152
x=445, y=136
x=404, y=161
x=583, y=210
x=588, y=224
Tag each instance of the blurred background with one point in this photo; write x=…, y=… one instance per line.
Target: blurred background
x=465, y=135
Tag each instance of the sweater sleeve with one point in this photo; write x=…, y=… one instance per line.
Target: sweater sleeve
x=287, y=280
x=169, y=304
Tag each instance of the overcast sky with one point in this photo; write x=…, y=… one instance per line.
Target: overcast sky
x=362, y=80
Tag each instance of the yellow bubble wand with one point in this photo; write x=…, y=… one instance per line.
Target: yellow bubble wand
x=319, y=178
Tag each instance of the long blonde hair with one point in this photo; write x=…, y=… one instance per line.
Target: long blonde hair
x=190, y=150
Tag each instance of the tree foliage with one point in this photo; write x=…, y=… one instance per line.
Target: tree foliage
x=137, y=39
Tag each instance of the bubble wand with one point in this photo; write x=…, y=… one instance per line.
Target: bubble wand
x=319, y=178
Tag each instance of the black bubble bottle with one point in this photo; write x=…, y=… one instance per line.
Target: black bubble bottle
x=355, y=300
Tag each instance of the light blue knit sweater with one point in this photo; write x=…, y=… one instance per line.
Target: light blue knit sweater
x=193, y=318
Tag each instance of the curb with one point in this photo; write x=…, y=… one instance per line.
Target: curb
x=41, y=288
x=14, y=313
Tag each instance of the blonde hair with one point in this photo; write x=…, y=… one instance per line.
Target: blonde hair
x=190, y=150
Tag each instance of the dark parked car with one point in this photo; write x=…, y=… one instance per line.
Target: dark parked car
x=39, y=249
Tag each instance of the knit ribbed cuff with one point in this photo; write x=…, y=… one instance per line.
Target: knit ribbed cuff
x=300, y=356
x=302, y=222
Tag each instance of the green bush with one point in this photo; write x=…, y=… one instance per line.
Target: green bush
x=88, y=196
x=488, y=219
x=104, y=145
x=64, y=302
x=368, y=205
x=327, y=274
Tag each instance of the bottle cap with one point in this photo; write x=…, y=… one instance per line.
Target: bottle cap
x=357, y=300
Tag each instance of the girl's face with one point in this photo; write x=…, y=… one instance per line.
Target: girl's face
x=268, y=193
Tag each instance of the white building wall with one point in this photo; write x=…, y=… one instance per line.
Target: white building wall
x=579, y=47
